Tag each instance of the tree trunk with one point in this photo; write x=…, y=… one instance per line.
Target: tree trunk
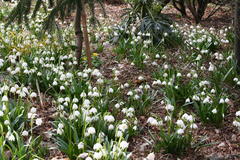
x=78, y=33
x=237, y=33
x=86, y=39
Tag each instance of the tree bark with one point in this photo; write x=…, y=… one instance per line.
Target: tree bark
x=86, y=38
x=237, y=33
x=78, y=33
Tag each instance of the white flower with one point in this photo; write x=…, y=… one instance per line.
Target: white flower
x=110, y=127
x=97, y=146
x=236, y=124
x=167, y=118
x=180, y=123
x=238, y=113
x=180, y=131
x=97, y=155
x=75, y=106
x=117, y=105
x=83, y=155
x=123, y=127
x=109, y=118
x=88, y=158
x=80, y=145
x=130, y=93
x=221, y=101
x=227, y=100
x=152, y=121
x=62, y=88
x=193, y=126
x=10, y=137
x=124, y=145
x=4, y=99
x=169, y=107
x=187, y=100
x=38, y=121
x=151, y=156
x=25, y=133
x=91, y=130
x=1, y=113
x=214, y=111
x=33, y=95
x=110, y=90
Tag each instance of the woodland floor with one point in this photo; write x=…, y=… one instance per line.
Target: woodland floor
x=222, y=144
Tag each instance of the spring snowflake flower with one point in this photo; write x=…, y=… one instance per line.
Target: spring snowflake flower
x=180, y=131
x=238, y=113
x=88, y=158
x=1, y=113
x=97, y=146
x=39, y=121
x=10, y=136
x=80, y=145
x=110, y=127
x=33, y=95
x=236, y=124
x=222, y=101
x=83, y=155
x=130, y=93
x=124, y=145
x=123, y=127
x=214, y=111
x=169, y=107
x=151, y=156
x=4, y=99
x=25, y=133
x=97, y=155
x=152, y=121
x=109, y=118
x=91, y=130
x=180, y=123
